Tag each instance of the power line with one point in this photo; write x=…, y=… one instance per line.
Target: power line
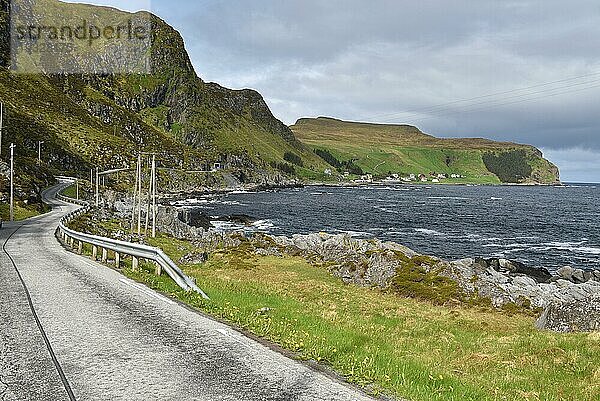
x=508, y=103
x=424, y=110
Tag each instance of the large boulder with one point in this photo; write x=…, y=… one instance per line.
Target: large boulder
x=577, y=315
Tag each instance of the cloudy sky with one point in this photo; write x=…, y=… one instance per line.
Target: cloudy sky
x=516, y=70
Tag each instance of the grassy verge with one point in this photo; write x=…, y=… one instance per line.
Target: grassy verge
x=22, y=211
x=395, y=345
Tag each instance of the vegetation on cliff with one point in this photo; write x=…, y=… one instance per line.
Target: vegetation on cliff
x=383, y=149
x=104, y=120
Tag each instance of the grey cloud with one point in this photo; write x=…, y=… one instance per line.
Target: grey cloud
x=371, y=60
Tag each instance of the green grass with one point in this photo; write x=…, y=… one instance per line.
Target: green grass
x=21, y=211
x=382, y=149
x=397, y=345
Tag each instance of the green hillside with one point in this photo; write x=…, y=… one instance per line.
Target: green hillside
x=104, y=120
x=381, y=150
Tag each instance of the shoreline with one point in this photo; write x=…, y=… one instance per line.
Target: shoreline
x=247, y=225
x=267, y=187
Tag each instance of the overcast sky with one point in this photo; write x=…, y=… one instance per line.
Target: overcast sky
x=515, y=70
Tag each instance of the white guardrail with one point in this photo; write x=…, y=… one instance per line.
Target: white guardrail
x=120, y=248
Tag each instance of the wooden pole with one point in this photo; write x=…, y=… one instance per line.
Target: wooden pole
x=97, y=188
x=1, y=125
x=12, y=181
x=139, y=226
x=134, y=203
x=148, y=200
x=153, y=196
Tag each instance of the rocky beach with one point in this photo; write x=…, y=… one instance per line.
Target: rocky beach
x=567, y=298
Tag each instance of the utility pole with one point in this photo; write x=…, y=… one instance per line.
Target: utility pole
x=148, y=198
x=97, y=188
x=12, y=184
x=134, y=202
x=153, y=196
x=1, y=125
x=139, y=224
x=77, y=187
x=40, y=151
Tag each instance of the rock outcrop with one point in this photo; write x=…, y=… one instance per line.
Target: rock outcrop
x=504, y=282
x=578, y=315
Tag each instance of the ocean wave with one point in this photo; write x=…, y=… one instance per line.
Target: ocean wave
x=354, y=234
x=447, y=197
x=241, y=191
x=588, y=250
x=429, y=232
x=263, y=224
x=386, y=210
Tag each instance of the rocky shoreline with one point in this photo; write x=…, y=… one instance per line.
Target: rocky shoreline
x=373, y=263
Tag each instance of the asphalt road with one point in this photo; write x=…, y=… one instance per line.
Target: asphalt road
x=117, y=340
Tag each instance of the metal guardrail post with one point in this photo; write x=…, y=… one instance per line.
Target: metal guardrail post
x=121, y=248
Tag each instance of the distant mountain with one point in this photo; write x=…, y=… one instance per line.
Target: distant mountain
x=105, y=119
x=382, y=149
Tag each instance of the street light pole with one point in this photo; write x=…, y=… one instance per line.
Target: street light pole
x=1, y=125
x=153, y=196
x=97, y=188
x=40, y=151
x=139, y=217
x=12, y=185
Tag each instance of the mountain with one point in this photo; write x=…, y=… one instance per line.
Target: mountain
x=382, y=149
x=105, y=119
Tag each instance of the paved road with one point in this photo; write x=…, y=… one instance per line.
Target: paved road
x=117, y=340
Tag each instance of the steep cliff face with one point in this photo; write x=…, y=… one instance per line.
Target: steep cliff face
x=105, y=119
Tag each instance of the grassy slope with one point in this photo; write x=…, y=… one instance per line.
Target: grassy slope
x=380, y=149
x=77, y=117
x=400, y=346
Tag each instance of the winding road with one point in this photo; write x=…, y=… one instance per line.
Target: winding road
x=88, y=333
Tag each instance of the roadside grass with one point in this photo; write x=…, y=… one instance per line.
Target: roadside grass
x=70, y=192
x=21, y=211
x=387, y=343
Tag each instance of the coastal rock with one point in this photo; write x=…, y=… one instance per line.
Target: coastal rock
x=170, y=220
x=577, y=315
x=540, y=274
x=505, y=283
x=357, y=261
x=194, y=218
x=565, y=273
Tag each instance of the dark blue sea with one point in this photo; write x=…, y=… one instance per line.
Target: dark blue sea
x=541, y=226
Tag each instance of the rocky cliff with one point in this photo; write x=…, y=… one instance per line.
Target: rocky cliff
x=104, y=119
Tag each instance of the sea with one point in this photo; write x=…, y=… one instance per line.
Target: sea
x=538, y=225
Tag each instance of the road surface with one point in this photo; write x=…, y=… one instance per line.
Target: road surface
x=117, y=340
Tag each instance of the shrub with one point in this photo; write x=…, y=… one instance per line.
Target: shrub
x=416, y=278
x=509, y=166
x=329, y=158
x=293, y=158
x=284, y=167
